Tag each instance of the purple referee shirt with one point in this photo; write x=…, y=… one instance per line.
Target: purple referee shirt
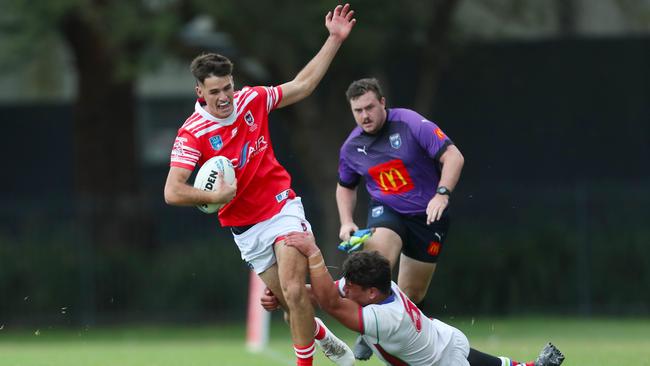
x=399, y=163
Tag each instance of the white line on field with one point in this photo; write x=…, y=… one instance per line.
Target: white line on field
x=278, y=357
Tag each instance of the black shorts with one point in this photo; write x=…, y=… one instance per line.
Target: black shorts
x=420, y=241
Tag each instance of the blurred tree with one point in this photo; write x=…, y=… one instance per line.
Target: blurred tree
x=111, y=41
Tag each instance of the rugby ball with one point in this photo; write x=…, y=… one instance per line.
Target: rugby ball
x=206, y=179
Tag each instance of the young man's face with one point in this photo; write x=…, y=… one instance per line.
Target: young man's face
x=218, y=92
x=358, y=294
x=369, y=112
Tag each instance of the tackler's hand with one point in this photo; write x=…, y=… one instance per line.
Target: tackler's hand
x=268, y=300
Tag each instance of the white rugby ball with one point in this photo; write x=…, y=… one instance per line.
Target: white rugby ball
x=206, y=179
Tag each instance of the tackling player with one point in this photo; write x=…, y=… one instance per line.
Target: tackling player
x=365, y=300
x=261, y=206
x=410, y=167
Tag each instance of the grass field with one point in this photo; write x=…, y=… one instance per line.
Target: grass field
x=593, y=342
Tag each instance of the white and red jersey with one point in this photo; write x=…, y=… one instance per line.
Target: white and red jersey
x=263, y=185
x=400, y=334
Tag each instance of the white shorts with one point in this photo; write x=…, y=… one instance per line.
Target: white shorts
x=456, y=351
x=256, y=243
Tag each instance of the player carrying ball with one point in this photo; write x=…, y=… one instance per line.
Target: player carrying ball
x=261, y=206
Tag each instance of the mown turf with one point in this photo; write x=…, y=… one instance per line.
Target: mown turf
x=588, y=342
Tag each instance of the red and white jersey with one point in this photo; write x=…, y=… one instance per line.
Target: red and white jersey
x=400, y=334
x=263, y=185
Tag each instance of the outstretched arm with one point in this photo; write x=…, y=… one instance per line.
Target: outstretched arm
x=323, y=287
x=339, y=23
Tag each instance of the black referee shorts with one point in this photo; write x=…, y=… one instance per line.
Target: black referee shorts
x=420, y=241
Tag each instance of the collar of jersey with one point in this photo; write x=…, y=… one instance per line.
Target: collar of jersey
x=198, y=107
x=389, y=299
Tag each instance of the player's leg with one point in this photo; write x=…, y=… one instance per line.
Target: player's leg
x=420, y=254
x=305, y=329
x=387, y=242
x=292, y=271
x=389, y=231
x=549, y=356
x=284, y=272
x=414, y=277
x=272, y=281
x=458, y=352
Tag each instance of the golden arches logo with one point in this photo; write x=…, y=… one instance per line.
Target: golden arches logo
x=389, y=176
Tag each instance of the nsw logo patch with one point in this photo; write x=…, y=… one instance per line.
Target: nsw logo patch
x=216, y=142
x=395, y=140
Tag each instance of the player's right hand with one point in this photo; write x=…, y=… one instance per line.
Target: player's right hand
x=346, y=230
x=268, y=300
x=224, y=192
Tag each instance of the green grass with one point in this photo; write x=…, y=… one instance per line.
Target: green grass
x=589, y=342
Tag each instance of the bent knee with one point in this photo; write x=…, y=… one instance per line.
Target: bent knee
x=415, y=294
x=294, y=292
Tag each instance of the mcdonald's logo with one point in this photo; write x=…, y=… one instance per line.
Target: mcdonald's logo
x=434, y=248
x=391, y=177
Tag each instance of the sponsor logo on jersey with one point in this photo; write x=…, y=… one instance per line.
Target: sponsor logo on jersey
x=377, y=211
x=283, y=196
x=250, y=121
x=395, y=140
x=439, y=133
x=433, y=248
x=392, y=177
x=216, y=142
x=362, y=150
x=249, y=151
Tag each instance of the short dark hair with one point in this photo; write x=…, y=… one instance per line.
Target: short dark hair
x=210, y=64
x=368, y=269
x=362, y=86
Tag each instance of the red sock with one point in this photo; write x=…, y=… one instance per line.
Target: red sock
x=320, y=331
x=305, y=354
x=517, y=363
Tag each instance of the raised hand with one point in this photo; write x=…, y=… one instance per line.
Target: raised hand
x=340, y=21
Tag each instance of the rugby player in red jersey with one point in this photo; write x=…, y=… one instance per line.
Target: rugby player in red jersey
x=260, y=205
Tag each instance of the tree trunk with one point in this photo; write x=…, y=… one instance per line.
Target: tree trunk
x=106, y=164
x=435, y=53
